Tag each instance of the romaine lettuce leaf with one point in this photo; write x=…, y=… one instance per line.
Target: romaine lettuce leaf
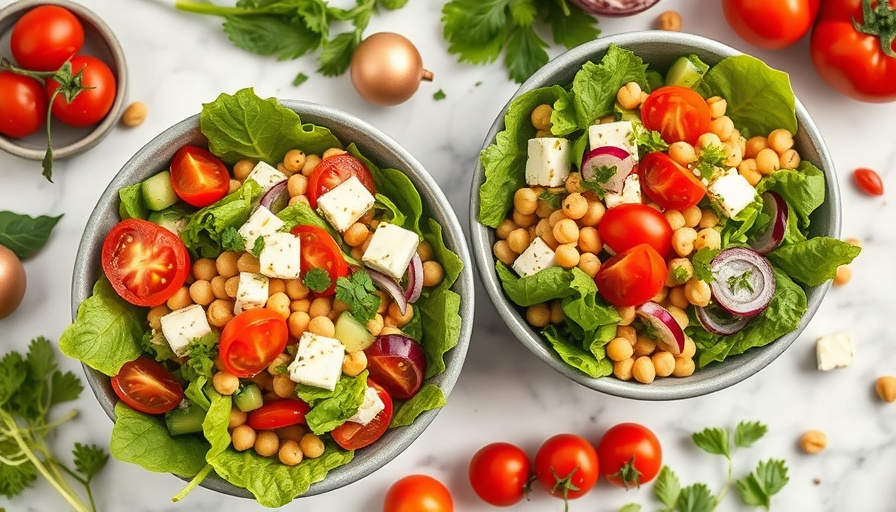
x=574, y=355
x=332, y=408
x=803, y=188
x=595, y=85
x=428, y=398
x=813, y=261
x=202, y=235
x=131, y=206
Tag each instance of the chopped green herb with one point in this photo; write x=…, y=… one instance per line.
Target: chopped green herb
x=709, y=162
x=702, y=262
x=300, y=79
x=232, y=240
x=741, y=281
x=317, y=280
x=648, y=141
x=604, y=173
x=439, y=95
x=258, y=247
x=359, y=292
x=680, y=274
x=554, y=200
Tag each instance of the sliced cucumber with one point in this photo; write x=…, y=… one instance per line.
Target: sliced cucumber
x=625, y=114
x=158, y=193
x=248, y=398
x=687, y=71
x=352, y=333
x=185, y=420
x=174, y=219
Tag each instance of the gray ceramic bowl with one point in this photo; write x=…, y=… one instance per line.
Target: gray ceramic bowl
x=100, y=42
x=376, y=146
x=659, y=49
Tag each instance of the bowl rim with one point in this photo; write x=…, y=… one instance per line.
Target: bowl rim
x=118, y=66
x=364, y=463
x=689, y=387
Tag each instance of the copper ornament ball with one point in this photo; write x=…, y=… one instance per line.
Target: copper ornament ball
x=386, y=69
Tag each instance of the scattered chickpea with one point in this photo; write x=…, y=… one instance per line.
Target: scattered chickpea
x=225, y=383
x=290, y=453
x=886, y=388
x=669, y=20
x=629, y=96
x=643, y=370
x=541, y=117
x=843, y=275
x=813, y=441
x=312, y=446
x=538, y=315
x=243, y=437
x=854, y=241
x=722, y=126
x=524, y=220
x=134, y=114
x=267, y=443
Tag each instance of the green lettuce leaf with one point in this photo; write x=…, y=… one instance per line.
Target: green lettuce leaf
x=302, y=214
x=573, y=355
x=429, y=397
x=131, y=206
x=450, y=261
x=550, y=283
x=802, y=188
x=202, y=235
x=331, y=408
x=440, y=313
x=595, y=85
x=813, y=261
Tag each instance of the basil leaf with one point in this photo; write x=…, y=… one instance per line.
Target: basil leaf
x=25, y=235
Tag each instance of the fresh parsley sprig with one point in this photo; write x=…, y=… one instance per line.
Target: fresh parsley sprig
x=359, y=292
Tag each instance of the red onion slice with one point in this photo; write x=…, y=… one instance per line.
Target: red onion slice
x=608, y=156
x=398, y=364
x=664, y=324
x=276, y=198
x=722, y=324
x=770, y=238
x=415, y=279
x=744, y=281
x=614, y=7
x=391, y=286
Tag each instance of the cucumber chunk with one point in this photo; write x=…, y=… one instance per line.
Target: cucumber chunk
x=248, y=398
x=173, y=219
x=158, y=193
x=352, y=333
x=185, y=420
x=687, y=71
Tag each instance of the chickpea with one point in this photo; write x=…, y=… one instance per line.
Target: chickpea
x=683, y=241
x=717, y=106
x=524, y=221
x=628, y=333
x=233, y=186
x=589, y=263
x=204, y=269
x=248, y=263
x=754, y=145
x=296, y=289
x=593, y=214
x=750, y=172
x=626, y=314
x=780, y=140
x=334, y=151
x=134, y=114
x=243, y=437
x=643, y=370
x=267, y=443
x=843, y=275
x=813, y=441
x=643, y=346
x=219, y=288
x=629, y=96
x=322, y=326
x=663, y=363
x=697, y=292
x=684, y=367
x=525, y=200
x=154, y=316
x=518, y=240
x=575, y=206
x=556, y=216
x=708, y=238
x=302, y=305
x=677, y=297
x=692, y=216
x=264, y=381
x=723, y=127
x=708, y=139
x=283, y=386
x=311, y=162
x=201, y=292
x=619, y=349
x=680, y=270
x=353, y=363
x=297, y=323
x=225, y=264
x=669, y=20
x=289, y=454
x=557, y=314
x=790, y=159
x=567, y=255
x=589, y=240
x=237, y=418
x=538, y=315
x=180, y=299
x=390, y=330
x=242, y=168
x=433, y=273
x=541, y=117
x=225, y=383
x=660, y=296
x=767, y=161
x=675, y=219
x=734, y=155
x=280, y=304
x=566, y=231
x=401, y=319
x=312, y=446
x=623, y=370
x=375, y=325
x=321, y=306
x=294, y=160
x=219, y=312
x=690, y=348
x=682, y=153
x=574, y=183
x=385, y=299
x=886, y=388
x=708, y=219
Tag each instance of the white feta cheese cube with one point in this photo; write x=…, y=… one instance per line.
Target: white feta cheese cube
x=835, y=350
x=345, y=204
x=732, y=192
x=620, y=134
x=251, y=293
x=281, y=256
x=262, y=222
x=182, y=326
x=318, y=361
x=630, y=194
x=266, y=175
x=548, y=162
x=538, y=256
x=370, y=407
x=391, y=249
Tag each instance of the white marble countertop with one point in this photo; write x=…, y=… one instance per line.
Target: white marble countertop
x=178, y=61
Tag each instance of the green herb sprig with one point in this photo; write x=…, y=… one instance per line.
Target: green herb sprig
x=25, y=235
x=359, y=292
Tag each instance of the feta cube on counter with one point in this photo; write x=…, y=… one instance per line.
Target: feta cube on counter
x=732, y=192
x=391, y=249
x=620, y=134
x=251, y=293
x=318, y=361
x=836, y=350
x=345, y=204
x=266, y=175
x=538, y=256
x=548, y=161
x=182, y=326
x=281, y=256
x=370, y=407
x=630, y=194
x=262, y=222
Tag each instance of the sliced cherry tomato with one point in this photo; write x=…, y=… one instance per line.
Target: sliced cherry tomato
x=398, y=363
x=668, y=184
x=278, y=413
x=23, y=105
x=332, y=171
x=147, y=386
x=251, y=341
x=92, y=104
x=678, y=113
x=499, y=474
x=353, y=436
x=418, y=493
x=632, y=277
x=199, y=177
x=145, y=263
x=628, y=225
x=771, y=25
x=45, y=37
x=630, y=455
x=567, y=466
x=319, y=250
x=869, y=181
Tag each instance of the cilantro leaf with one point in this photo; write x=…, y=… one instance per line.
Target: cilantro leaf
x=709, y=161
x=474, y=29
x=702, y=262
x=439, y=95
x=359, y=292
x=317, y=280
x=232, y=240
x=713, y=440
x=300, y=79
x=554, y=200
x=648, y=141
x=279, y=36
x=667, y=487
x=66, y=387
x=758, y=487
x=336, y=54
x=572, y=26
x=748, y=432
x=524, y=53
x=258, y=246
x=603, y=173
x=90, y=459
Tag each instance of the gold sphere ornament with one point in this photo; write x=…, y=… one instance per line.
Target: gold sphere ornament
x=387, y=69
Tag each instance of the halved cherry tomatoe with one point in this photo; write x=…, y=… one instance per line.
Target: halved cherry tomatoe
x=147, y=386
x=668, y=184
x=278, y=413
x=251, y=341
x=632, y=277
x=332, y=171
x=199, y=177
x=627, y=225
x=353, y=436
x=678, y=113
x=144, y=262
x=398, y=363
x=319, y=250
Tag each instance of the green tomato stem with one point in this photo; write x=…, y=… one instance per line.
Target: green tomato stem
x=879, y=21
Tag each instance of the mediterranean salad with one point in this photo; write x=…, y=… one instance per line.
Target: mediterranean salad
x=268, y=305
x=649, y=224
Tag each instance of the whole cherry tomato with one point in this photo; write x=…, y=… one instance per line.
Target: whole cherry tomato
x=630, y=455
x=23, y=105
x=92, y=104
x=418, y=493
x=771, y=25
x=45, y=37
x=567, y=466
x=499, y=474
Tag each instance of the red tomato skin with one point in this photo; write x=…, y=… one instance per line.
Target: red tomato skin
x=23, y=105
x=668, y=184
x=771, y=25
x=145, y=263
x=354, y=436
x=678, y=113
x=45, y=37
x=332, y=171
x=251, y=340
x=499, y=474
x=563, y=455
x=632, y=277
x=146, y=386
x=868, y=181
x=418, y=493
x=627, y=225
x=199, y=177
x=278, y=413
x=630, y=443
x=851, y=62
x=319, y=250
x=90, y=106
